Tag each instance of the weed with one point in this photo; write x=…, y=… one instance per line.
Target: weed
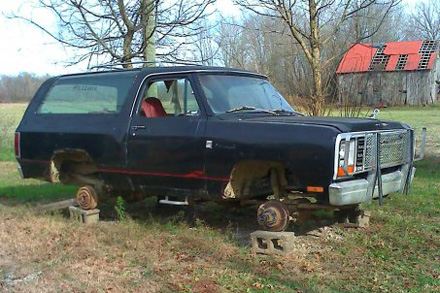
x=120, y=208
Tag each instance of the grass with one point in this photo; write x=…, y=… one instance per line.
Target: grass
x=14, y=190
x=10, y=116
x=150, y=252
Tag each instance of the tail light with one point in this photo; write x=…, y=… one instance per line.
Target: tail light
x=17, y=145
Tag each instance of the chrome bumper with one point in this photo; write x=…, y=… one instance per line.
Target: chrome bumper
x=20, y=171
x=361, y=190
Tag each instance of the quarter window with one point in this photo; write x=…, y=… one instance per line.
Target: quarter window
x=93, y=94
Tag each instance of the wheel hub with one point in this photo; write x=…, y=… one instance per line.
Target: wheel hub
x=273, y=216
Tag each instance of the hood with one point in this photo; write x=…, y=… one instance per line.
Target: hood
x=342, y=124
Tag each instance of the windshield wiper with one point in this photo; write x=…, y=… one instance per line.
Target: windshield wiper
x=242, y=108
x=250, y=108
x=282, y=111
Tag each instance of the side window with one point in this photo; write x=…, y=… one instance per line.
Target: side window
x=87, y=94
x=168, y=98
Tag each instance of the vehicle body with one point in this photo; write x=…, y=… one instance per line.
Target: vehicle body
x=203, y=141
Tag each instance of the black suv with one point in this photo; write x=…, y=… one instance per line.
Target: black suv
x=191, y=133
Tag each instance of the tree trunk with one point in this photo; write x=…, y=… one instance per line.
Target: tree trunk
x=318, y=95
x=315, y=62
x=128, y=39
x=149, y=27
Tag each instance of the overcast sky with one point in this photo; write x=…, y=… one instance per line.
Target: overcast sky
x=25, y=48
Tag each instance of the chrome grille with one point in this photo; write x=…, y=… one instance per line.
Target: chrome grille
x=369, y=155
x=393, y=147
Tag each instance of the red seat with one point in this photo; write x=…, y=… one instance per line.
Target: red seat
x=152, y=107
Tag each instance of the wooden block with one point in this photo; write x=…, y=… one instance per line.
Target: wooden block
x=83, y=216
x=58, y=205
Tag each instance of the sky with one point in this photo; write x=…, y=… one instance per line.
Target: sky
x=25, y=48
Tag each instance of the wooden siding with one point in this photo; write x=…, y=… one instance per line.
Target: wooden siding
x=393, y=88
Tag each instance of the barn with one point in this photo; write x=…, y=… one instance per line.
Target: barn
x=394, y=73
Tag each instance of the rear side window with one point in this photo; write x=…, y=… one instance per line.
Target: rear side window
x=92, y=94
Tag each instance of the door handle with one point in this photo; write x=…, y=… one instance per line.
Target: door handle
x=138, y=127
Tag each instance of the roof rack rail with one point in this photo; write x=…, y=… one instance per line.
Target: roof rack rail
x=119, y=66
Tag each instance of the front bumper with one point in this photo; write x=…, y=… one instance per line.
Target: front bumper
x=361, y=190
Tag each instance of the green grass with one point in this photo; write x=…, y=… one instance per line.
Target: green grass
x=399, y=252
x=15, y=190
x=10, y=116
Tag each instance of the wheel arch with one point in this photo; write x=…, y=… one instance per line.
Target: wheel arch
x=247, y=174
x=73, y=166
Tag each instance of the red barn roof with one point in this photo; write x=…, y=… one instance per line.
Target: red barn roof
x=392, y=56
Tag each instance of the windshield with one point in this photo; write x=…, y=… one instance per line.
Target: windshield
x=234, y=93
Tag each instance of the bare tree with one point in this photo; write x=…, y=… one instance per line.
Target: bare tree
x=313, y=24
x=255, y=43
x=118, y=30
x=232, y=44
x=20, y=88
x=425, y=21
x=205, y=47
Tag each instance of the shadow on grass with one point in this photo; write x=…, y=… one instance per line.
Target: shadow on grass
x=35, y=194
x=236, y=221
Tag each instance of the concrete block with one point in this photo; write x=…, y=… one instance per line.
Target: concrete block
x=83, y=216
x=363, y=220
x=265, y=242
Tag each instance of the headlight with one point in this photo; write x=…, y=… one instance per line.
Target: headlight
x=347, y=151
x=353, y=151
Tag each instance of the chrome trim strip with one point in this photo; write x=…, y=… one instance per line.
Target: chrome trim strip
x=346, y=154
x=20, y=171
x=187, y=72
x=336, y=159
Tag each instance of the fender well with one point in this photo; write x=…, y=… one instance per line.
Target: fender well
x=248, y=174
x=75, y=167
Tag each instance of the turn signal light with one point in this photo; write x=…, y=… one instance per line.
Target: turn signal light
x=315, y=189
x=341, y=172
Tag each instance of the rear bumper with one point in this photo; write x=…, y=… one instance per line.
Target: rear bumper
x=20, y=171
x=360, y=190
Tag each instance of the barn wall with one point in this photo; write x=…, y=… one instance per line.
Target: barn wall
x=437, y=75
x=392, y=88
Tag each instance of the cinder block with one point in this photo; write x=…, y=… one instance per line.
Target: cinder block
x=363, y=220
x=83, y=216
x=265, y=242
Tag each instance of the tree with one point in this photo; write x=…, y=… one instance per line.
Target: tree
x=20, y=88
x=313, y=24
x=232, y=44
x=426, y=21
x=204, y=47
x=122, y=31
x=254, y=43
